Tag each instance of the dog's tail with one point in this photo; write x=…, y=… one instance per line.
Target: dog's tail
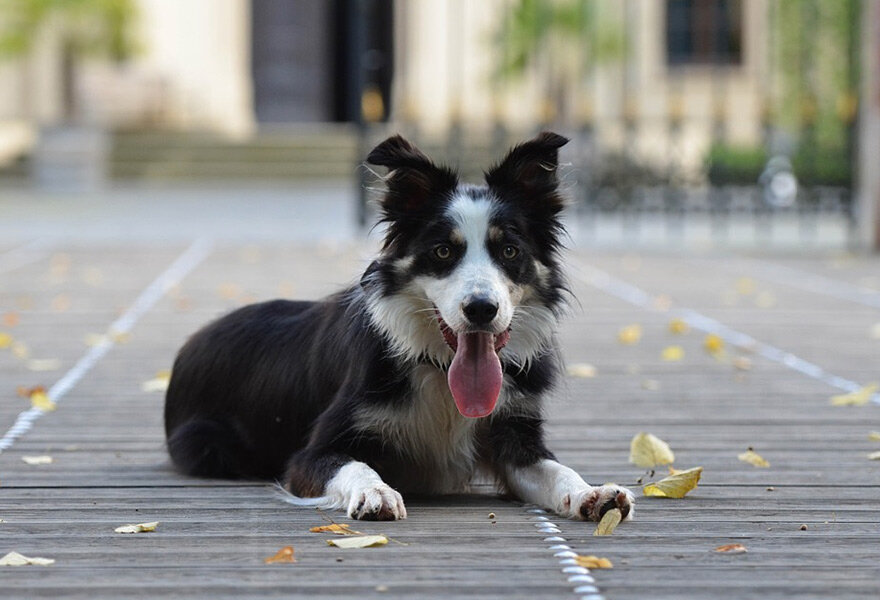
x=210, y=448
x=323, y=502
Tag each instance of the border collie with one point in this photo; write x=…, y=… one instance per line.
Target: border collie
x=431, y=369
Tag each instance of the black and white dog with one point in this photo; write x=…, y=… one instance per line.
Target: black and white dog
x=431, y=369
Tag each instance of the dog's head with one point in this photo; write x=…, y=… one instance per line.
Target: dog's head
x=468, y=275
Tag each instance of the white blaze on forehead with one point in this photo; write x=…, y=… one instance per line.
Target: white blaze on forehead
x=472, y=219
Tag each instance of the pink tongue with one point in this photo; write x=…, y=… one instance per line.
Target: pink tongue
x=475, y=374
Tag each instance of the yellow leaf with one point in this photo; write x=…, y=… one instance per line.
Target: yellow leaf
x=713, y=344
x=41, y=400
x=5, y=340
x=14, y=559
x=159, y=383
x=874, y=436
x=138, y=528
x=37, y=460
x=359, y=541
x=672, y=353
x=674, y=486
x=340, y=528
x=593, y=562
x=874, y=456
x=582, y=370
x=44, y=364
x=285, y=555
x=610, y=520
x=679, y=326
x=753, y=458
x=631, y=334
x=648, y=451
x=745, y=286
x=857, y=398
x=731, y=549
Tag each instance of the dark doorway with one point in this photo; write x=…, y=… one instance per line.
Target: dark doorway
x=313, y=60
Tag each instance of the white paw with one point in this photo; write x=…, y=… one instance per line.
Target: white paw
x=592, y=503
x=377, y=503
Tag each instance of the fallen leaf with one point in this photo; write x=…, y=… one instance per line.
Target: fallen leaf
x=44, y=364
x=285, y=555
x=753, y=458
x=713, y=344
x=874, y=456
x=10, y=319
x=593, y=562
x=40, y=400
x=674, y=486
x=631, y=334
x=38, y=460
x=679, y=326
x=21, y=350
x=859, y=397
x=359, y=541
x=743, y=363
x=159, y=383
x=610, y=520
x=745, y=286
x=648, y=451
x=340, y=528
x=672, y=353
x=14, y=559
x=731, y=549
x=6, y=340
x=138, y=528
x=874, y=436
x=583, y=370
x=95, y=339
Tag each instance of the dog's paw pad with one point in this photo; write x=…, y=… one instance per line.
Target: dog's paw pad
x=380, y=503
x=604, y=498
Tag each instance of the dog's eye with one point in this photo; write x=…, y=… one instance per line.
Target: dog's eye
x=510, y=252
x=443, y=252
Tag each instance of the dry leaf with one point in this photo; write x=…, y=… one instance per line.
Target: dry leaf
x=14, y=559
x=44, y=364
x=40, y=400
x=37, y=460
x=583, y=370
x=731, y=549
x=713, y=344
x=138, y=528
x=874, y=456
x=359, y=541
x=96, y=339
x=285, y=555
x=10, y=319
x=672, y=353
x=593, y=562
x=610, y=520
x=631, y=334
x=340, y=528
x=648, y=451
x=859, y=397
x=674, y=486
x=679, y=326
x=743, y=363
x=874, y=436
x=6, y=340
x=753, y=458
x=159, y=383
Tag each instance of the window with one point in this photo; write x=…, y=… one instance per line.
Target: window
x=704, y=32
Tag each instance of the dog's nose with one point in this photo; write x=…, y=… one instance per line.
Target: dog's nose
x=480, y=310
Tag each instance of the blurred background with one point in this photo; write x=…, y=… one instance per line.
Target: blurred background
x=694, y=123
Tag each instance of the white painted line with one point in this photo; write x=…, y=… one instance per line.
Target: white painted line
x=185, y=263
x=25, y=254
x=638, y=297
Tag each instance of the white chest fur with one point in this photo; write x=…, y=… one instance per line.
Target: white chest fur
x=429, y=431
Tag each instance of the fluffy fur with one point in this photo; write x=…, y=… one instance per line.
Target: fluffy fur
x=347, y=400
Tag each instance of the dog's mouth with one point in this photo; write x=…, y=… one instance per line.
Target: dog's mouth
x=475, y=375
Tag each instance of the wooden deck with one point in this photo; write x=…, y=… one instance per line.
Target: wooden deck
x=811, y=320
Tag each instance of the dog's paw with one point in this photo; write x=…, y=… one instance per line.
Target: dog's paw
x=377, y=503
x=592, y=504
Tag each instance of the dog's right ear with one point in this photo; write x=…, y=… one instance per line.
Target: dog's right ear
x=413, y=179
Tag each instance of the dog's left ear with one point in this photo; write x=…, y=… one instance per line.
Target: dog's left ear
x=529, y=169
x=413, y=179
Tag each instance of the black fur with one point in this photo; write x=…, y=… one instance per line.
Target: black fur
x=276, y=390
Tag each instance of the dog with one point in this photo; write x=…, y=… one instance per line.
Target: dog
x=431, y=369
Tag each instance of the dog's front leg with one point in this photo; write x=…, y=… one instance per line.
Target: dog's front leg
x=345, y=483
x=559, y=488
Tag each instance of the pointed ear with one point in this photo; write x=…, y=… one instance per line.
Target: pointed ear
x=529, y=168
x=412, y=178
